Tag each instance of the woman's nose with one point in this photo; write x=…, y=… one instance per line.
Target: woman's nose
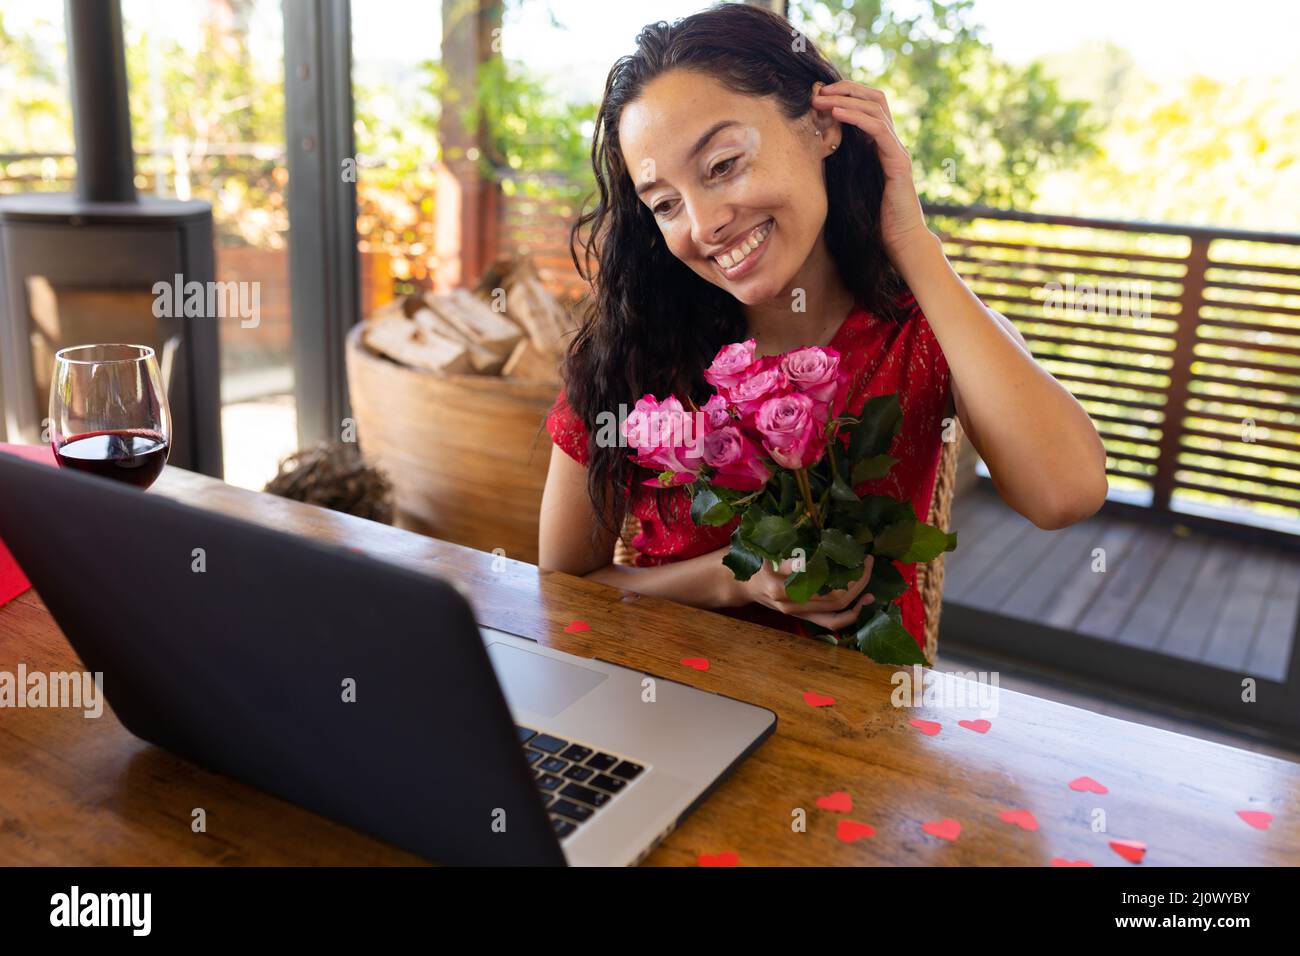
x=709, y=224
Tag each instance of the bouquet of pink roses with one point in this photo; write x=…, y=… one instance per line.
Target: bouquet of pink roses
x=774, y=447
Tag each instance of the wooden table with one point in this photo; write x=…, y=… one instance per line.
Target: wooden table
x=79, y=791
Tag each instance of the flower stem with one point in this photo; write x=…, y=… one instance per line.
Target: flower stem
x=801, y=477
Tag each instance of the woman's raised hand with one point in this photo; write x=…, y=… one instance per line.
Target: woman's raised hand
x=901, y=218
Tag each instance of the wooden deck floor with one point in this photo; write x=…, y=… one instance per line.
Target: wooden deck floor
x=1219, y=603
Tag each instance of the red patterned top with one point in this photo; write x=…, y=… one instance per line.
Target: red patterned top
x=882, y=357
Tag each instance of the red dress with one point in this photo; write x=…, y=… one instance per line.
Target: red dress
x=882, y=356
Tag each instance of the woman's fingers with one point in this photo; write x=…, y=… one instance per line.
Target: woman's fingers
x=831, y=601
x=836, y=621
x=839, y=598
x=868, y=113
x=869, y=107
x=857, y=91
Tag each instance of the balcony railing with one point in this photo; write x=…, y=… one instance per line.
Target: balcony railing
x=1182, y=342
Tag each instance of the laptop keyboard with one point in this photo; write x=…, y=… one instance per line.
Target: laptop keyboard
x=575, y=781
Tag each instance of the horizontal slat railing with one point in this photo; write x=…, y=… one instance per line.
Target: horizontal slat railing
x=1188, y=336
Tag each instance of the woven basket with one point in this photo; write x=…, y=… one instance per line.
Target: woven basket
x=929, y=577
x=466, y=454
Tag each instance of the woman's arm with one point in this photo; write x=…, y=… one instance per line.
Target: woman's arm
x=1042, y=450
x=564, y=544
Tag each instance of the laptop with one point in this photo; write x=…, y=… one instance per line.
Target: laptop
x=360, y=689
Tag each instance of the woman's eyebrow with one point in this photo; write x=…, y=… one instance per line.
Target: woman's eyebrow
x=700, y=143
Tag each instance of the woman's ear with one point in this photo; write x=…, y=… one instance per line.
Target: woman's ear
x=826, y=128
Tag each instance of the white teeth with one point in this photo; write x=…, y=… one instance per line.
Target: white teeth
x=755, y=239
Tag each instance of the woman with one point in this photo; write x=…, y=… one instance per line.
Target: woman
x=746, y=191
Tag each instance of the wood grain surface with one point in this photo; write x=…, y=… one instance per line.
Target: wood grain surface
x=78, y=791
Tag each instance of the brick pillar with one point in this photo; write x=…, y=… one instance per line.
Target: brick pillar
x=466, y=200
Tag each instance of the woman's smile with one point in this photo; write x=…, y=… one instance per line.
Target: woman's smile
x=742, y=257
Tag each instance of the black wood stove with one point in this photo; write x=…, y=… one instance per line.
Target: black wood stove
x=78, y=268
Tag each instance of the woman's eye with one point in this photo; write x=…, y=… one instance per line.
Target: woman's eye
x=723, y=167
x=663, y=208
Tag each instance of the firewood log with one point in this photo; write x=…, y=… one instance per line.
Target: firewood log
x=546, y=320
x=406, y=342
x=474, y=319
x=483, y=360
x=528, y=362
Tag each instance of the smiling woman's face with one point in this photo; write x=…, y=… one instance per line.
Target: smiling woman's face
x=736, y=187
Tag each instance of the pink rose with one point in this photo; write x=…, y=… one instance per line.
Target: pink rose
x=792, y=432
x=716, y=410
x=764, y=381
x=730, y=364
x=739, y=462
x=666, y=438
x=816, y=372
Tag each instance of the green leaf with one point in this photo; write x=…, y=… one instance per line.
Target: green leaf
x=772, y=536
x=840, y=548
x=869, y=469
x=886, y=583
x=928, y=542
x=840, y=577
x=884, y=639
x=788, y=492
x=894, y=540
x=880, y=420
x=841, y=492
x=841, y=457
x=802, y=585
x=881, y=510
x=743, y=562
x=707, y=508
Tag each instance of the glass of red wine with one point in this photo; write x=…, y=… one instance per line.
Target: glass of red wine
x=108, y=412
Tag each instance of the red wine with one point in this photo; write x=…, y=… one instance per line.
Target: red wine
x=133, y=456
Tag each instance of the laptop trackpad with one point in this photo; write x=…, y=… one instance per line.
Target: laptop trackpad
x=540, y=684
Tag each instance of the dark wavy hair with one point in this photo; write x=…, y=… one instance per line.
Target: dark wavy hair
x=650, y=324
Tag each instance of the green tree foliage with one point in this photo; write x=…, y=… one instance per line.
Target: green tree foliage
x=979, y=130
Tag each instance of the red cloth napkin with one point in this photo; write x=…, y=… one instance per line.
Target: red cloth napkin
x=12, y=581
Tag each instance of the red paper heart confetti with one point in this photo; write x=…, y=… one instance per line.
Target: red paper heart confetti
x=1087, y=785
x=927, y=727
x=699, y=663
x=851, y=831
x=1259, y=819
x=814, y=699
x=1061, y=861
x=979, y=726
x=1024, y=819
x=729, y=858
x=1131, y=850
x=573, y=627
x=837, y=802
x=946, y=829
